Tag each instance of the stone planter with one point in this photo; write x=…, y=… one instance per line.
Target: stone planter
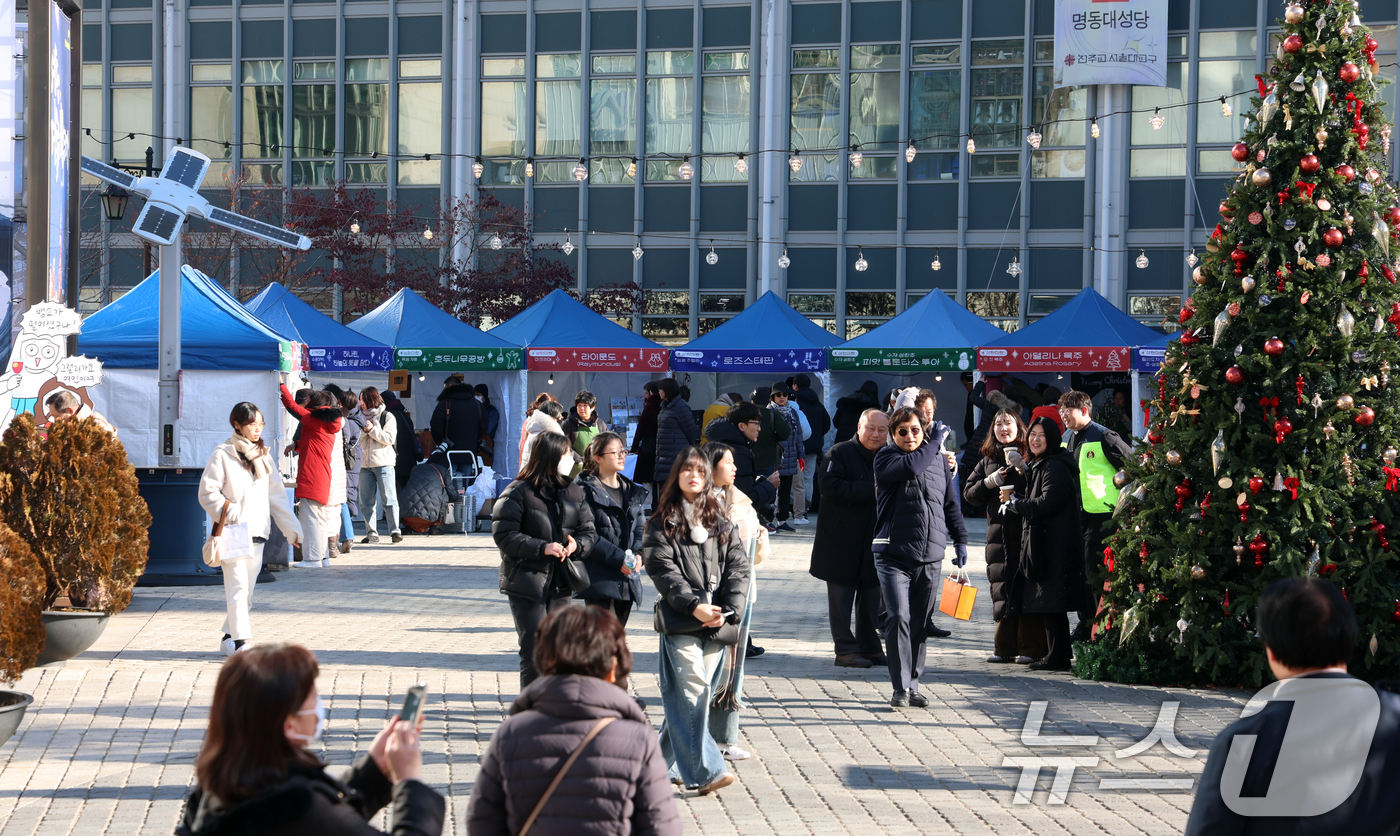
x=66, y=634
x=12, y=706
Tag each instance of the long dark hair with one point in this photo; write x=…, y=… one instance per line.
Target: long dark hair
x=245, y=413
x=542, y=471
x=245, y=750
x=992, y=448
x=596, y=447
x=668, y=507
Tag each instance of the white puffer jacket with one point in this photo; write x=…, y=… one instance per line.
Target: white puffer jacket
x=379, y=439
x=254, y=502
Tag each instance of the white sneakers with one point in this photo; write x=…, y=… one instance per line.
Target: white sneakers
x=734, y=753
x=312, y=564
x=802, y=520
x=227, y=648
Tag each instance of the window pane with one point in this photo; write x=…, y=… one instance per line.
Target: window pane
x=140, y=74
x=1058, y=114
x=934, y=167
x=869, y=304
x=875, y=108
x=934, y=97
x=558, y=66
x=420, y=118
x=998, y=53
x=1150, y=306
x=609, y=172
x=422, y=67
x=666, y=331
x=262, y=72
x=554, y=171
x=807, y=59
x=810, y=303
x=721, y=61
x=1218, y=161
x=721, y=170
x=313, y=70
x=876, y=168
x=613, y=64
x=1222, y=78
x=875, y=57
x=92, y=119
x=1228, y=44
x=92, y=75
x=211, y=121
x=502, y=118
x=557, y=129
x=816, y=111
x=366, y=119
x=612, y=123
x=262, y=122
x=722, y=302
x=131, y=113
x=503, y=172
x=668, y=302
x=670, y=114
x=1174, y=131
x=420, y=172
x=1041, y=305
x=943, y=55
x=994, y=165
x=314, y=173
x=818, y=168
x=724, y=108
x=262, y=175
x=313, y=121
x=1157, y=162
x=198, y=72
x=710, y=323
x=856, y=327
x=994, y=303
x=1045, y=50
x=1057, y=163
x=366, y=69
x=671, y=63
x=502, y=66
x=370, y=173
x=996, y=107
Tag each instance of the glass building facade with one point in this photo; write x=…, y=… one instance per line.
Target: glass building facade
x=702, y=129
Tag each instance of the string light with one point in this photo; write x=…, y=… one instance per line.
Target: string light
x=741, y=165
x=910, y=152
x=938, y=378
x=1094, y=129
x=783, y=260
x=428, y=233
x=1225, y=109
x=355, y=227
x=1141, y=260
x=530, y=167
x=971, y=146
x=632, y=168
x=551, y=378
x=478, y=169
x=1014, y=268
x=1034, y=138
x=422, y=377
x=1157, y=120
x=937, y=265
x=1192, y=259
x=637, y=251
x=495, y=242
x=712, y=258
x=856, y=156
x=687, y=170
x=795, y=162
x=568, y=247
x=861, y=264
x=581, y=170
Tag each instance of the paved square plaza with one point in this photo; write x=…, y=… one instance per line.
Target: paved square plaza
x=110, y=742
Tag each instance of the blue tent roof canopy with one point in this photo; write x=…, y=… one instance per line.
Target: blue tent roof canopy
x=331, y=347
x=769, y=336
x=557, y=326
x=425, y=337
x=934, y=334
x=1086, y=334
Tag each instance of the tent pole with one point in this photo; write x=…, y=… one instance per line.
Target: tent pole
x=976, y=410
x=168, y=352
x=1137, y=404
x=825, y=377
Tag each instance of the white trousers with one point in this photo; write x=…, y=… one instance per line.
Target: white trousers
x=240, y=576
x=318, y=522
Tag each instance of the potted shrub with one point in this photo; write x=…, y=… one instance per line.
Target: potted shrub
x=73, y=498
x=21, y=630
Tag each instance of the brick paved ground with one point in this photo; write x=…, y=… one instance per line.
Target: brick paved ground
x=110, y=742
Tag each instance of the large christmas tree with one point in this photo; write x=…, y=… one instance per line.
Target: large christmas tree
x=1274, y=427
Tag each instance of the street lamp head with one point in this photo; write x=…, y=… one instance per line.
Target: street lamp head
x=114, y=200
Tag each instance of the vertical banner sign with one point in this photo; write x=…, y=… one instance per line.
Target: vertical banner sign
x=1110, y=42
x=60, y=90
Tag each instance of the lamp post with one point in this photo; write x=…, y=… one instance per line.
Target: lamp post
x=115, y=199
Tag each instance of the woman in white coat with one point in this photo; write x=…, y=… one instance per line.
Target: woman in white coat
x=241, y=472
x=378, y=444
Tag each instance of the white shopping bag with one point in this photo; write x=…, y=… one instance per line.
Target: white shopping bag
x=237, y=541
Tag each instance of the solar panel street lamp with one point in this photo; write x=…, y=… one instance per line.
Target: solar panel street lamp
x=171, y=197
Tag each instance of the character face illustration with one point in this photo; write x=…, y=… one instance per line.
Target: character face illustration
x=37, y=355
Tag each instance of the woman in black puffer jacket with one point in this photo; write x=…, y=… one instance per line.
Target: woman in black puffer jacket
x=619, y=516
x=1019, y=636
x=539, y=521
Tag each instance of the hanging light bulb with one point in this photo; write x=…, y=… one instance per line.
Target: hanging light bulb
x=1141, y=260
x=971, y=146
x=1034, y=138
x=581, y=170
x=741, y=165
x=355, y=227
x=495, y=242
x=783, y=260
x=861, y=264
x=938, y=378
x=1014, y=268
x=551, y=378
x=478, y=169
x=1157, y=120
x=1094, y=129
x=568, y=247
x=428, y=233
x=712, y=258
x=637, y=251
x=856, y=156
x=795, y=162
x=937, y=265
x=530, y=167
x=632, y=168
x=910, y=152
x=1225, y=109
x=1192, y=260
x=686, y=170
x=422, y=377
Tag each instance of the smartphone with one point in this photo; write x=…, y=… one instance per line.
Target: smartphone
x=413, y=703
x=725, y=613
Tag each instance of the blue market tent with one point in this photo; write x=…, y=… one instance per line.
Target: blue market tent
x=216, y=332
x=769, y=336
x=331, y=346
x=555, y=329
x=1087, y=334
x=934, y=334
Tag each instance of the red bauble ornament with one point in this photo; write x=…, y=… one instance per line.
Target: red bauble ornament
x=1226, y=210
x=1186, y=313
x=1349, y=72
x=1258, y=548
x=1227, y=592
x=1183, y=494
x=1282, y=427
x=1309, y=164
x=1244, y=512
x=1240, y=257
x=1346, y=172
x=1392, y=216
x=1366, y=417
x=1292, y=44
x=1143, y=552
x=1365, y=272
x=1187, y=338
x=1332, y=237
x=1234, y=375
x=1256, y=484
x=1273, y=346
x=1240, y=152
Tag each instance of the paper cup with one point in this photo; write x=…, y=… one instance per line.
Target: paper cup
x=1006, y=492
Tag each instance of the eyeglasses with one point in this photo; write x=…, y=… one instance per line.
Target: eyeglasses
x=905, y=432
x=753, y=424
x=622, y=453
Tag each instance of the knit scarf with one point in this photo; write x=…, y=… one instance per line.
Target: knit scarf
x=253, y=454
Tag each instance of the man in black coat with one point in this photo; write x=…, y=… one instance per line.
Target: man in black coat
x=850, y=408
x=459, y=417
x=841, y=553
x=739, y=429
x=806, y=399
x=1316, y=752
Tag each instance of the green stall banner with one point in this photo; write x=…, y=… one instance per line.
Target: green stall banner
x=903, y=359
x=459, y=359
x=288, y=357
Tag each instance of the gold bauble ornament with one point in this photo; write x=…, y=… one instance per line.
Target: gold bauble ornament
x=1173, y=458
x=1345, y=402
x=1261, y=177
x=1198, y=572
x=1294, y=14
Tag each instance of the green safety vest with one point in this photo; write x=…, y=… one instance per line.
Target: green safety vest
x=1096, y=490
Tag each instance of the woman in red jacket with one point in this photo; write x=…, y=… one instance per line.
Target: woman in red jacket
x=320, y=474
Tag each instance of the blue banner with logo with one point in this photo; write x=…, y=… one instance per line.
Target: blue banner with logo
x=744, y=360
x=351, y=359
x=1148, y=359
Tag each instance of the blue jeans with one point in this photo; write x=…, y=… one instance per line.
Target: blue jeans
x=347, y=522
x=687, y=669
x=724, y=725
x=377, y=487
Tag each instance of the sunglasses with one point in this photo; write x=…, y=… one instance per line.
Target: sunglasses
x=905, y=432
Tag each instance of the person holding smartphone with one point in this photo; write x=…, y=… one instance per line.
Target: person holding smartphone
x=539, y=521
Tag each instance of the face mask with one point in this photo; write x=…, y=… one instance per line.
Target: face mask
x=480, y=399
x=566, y=465
x=320, y=712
